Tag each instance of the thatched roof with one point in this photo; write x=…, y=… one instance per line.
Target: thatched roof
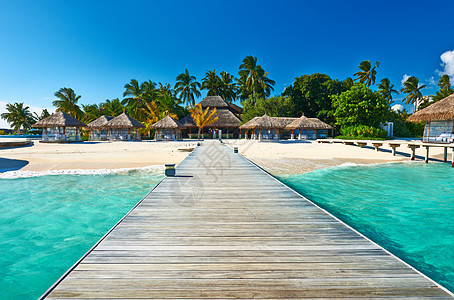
x=167, y=123
x=124, y=121
x=99, y=122
x=308, y=123
x=266, y=121
x=59, y=119
x=251, y=124
x=439, y=111
x=225, y=119
x=213, y=101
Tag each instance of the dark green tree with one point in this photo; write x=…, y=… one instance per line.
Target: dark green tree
x=311, y=95
x=360, y=106
x=366, y=73
x=253, y=79
x=67, y=102
x=187, y=88
x=254, y=106
x=387, y=89
x=445, y=88
x=212, y=83
x=134, y=98
x=113, y=107
x=227, y=87
x=413, y=90
x=18, y=116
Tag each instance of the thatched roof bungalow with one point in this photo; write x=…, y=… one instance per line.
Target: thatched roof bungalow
x=266, y=127
x=167, y=129
x=439, y=118
x=227, y=121
x=98, y=129
x=124, y=128
x=308, y=128
x=60, y=127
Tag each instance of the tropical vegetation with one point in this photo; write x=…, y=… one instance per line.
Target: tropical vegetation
x=203, y=118
x=354, y=101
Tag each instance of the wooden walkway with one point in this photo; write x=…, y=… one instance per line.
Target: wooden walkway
x=226, y=229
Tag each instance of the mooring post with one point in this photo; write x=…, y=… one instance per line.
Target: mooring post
x=170, y=170
x=235, y=149
x=452, y=158
x=426, y=160
x=445, y=154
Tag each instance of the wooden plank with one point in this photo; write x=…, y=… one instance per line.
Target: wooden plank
x=226, y=229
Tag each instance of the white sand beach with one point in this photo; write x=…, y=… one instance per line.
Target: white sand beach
x=287, y=157
x=93, y=155
x=295, y=157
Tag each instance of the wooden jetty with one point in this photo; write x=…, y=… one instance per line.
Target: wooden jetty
x=224, y=228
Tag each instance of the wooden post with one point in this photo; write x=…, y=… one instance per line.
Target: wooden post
x=292, y=136
x=452, y=158
x=299, y=135
x=445, y=154
x=426, y=160
x=413, y=150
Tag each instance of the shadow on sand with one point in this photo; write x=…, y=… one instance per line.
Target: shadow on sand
x=11, y=164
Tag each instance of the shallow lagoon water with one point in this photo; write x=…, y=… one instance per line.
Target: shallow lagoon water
x=48, y=222
x=407, y=208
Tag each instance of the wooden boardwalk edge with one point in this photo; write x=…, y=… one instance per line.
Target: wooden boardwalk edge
x=226, y=228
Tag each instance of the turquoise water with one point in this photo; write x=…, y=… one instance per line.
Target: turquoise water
x=406, y=208
x=48, y=222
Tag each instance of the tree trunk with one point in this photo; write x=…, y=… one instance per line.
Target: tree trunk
x=198, y=135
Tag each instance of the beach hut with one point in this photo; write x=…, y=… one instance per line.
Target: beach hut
x=97, y=128
x=265, y=127
x=439, y=118
x=227, y=122
x=60, y=128
x=308, y=128
x=124, y=128
x=167, y=129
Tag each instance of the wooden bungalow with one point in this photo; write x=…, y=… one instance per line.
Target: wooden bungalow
x=308, y=128
x=123, y=128
x=265, y=127
x=439, y=118
x=60, y=128
x=227, y=122
x=167, y=129
x=98, y=130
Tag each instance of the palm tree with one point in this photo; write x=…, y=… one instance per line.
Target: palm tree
x=187, y=88
x=228, y=87
x=134, y=99
x=254, y=78
x=413, y=89
x=18, y=116
x=203, y=118
x=67, y=102
x=386, y=88
x=113, y=107
x=445, y=88
x=367, y=74
x=148, y=89
x=92, y=112
x=212, y=83
x=153, y=114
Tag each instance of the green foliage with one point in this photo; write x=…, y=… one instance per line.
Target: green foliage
x=363, y=131
x=18, y=116
x=253, y=79
x=366, y=73
x=360, y=106
x=402, y=128
x=255, y=106
x=67, y=102
x=2, y=132
x=413, y=90
x=310, y=95
x=187, y=88
x=387, y=89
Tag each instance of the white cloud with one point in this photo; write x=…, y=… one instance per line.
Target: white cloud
x=431, y=81
x=397, y=107
x=405, y=78
x=447, y=59
x=38, y=110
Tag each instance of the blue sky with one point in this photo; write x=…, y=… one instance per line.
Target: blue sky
x=96, y=47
